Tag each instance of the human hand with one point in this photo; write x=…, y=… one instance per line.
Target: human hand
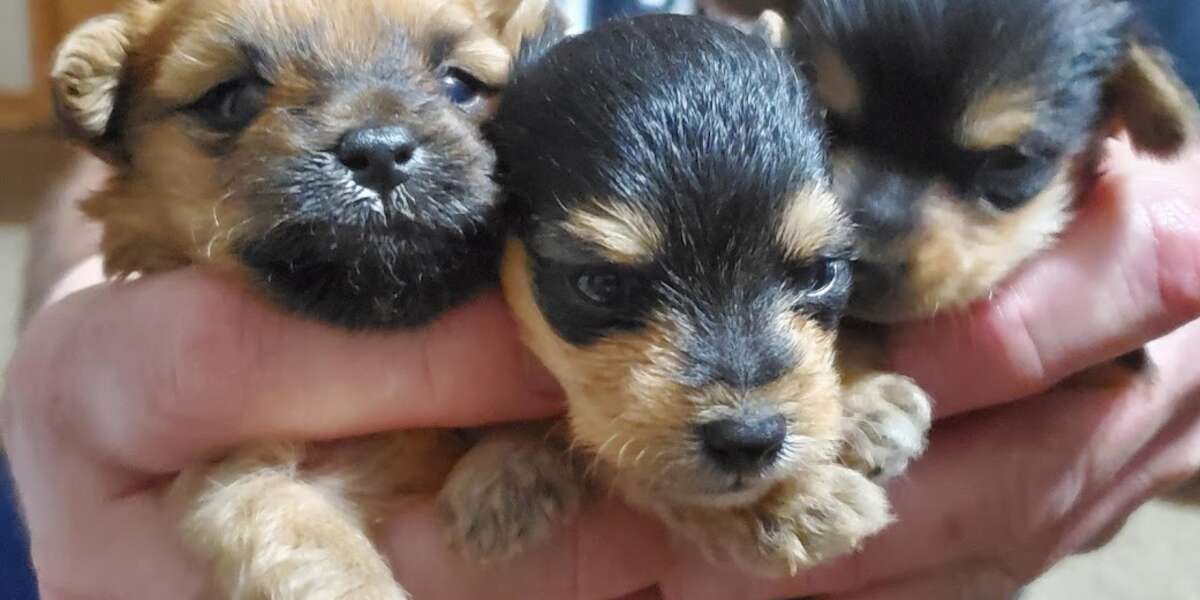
x=1008, y=487
x=116, y=388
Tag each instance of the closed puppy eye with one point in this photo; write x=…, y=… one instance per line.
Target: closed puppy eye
x=232, y=105
x=1006, y=159
x=462, y=88
x=821, y=277
x=1008, y=176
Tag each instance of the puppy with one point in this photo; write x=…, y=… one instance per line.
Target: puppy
x=679, y=262
x=962, y=132
x=328, y=156
x=965, y=130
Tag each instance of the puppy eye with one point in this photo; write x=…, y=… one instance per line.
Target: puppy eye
x=1009, y=176
x=602, y=288
x=1006, y=160
x=461, y=87
x=231, y=106
x=820, y=277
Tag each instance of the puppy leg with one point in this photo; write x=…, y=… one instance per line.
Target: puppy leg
x=886, y=417
x=510, y=493
x=819, y=515
x=290, y=521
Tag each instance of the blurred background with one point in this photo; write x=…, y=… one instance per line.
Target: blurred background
x=1155, y=557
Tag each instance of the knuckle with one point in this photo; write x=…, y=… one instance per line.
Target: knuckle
x=1176, y=236
x=1006, y=326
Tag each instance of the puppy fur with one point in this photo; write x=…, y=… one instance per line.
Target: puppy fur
x=679, y=263
x=964, y=130
x=249, y=137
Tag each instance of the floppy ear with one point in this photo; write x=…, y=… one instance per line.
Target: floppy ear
x=527, y=27
x=1153, y=104
x=86, y=81
x=772, y=27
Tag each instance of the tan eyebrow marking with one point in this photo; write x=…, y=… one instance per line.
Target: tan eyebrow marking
x=483, y=57
x=999, y=118
x=812, y=222
x=625, y=233
x=836, y=84
x=195, y=63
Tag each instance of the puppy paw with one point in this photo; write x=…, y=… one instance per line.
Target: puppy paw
x=886, y=423
x=805, y=522
x=270, y=533
x=508, y=494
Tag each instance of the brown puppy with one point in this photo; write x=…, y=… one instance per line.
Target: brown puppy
x=679, y=263
x=326, y=154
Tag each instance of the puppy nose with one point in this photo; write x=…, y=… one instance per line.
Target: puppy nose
x=744, y=444
x=378, y=156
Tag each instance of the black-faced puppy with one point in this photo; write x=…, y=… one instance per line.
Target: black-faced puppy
x=680, y=264
x=328, y=155
x=963, y=132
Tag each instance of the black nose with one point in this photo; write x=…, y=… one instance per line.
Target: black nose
x=378, y=157
x=744, y=444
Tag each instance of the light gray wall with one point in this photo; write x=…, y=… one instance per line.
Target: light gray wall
x=15, y=57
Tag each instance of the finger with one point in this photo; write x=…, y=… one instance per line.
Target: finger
x=156, y=373
x=991, y=482
x=1125, y=273
x=610, y=553
x=976, y=581
x=1172, y=458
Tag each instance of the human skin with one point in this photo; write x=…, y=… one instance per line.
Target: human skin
x=1009, y=487
x=116, y=387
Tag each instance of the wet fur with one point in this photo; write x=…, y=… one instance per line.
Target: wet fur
x=268, y=205
x=680, y=161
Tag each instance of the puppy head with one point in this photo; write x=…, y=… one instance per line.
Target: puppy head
x=327, y=151
x=963, y=130
x=679, y=262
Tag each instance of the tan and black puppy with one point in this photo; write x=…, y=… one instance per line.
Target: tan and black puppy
x=963, y=132
x=328, y=155
x=680, y=264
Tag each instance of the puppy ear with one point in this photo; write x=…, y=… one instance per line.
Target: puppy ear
x=772, y=27
x=86, y=81
x=1152, y=103
x=528, y=27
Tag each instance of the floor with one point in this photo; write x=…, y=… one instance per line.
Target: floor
x=1156, y=556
